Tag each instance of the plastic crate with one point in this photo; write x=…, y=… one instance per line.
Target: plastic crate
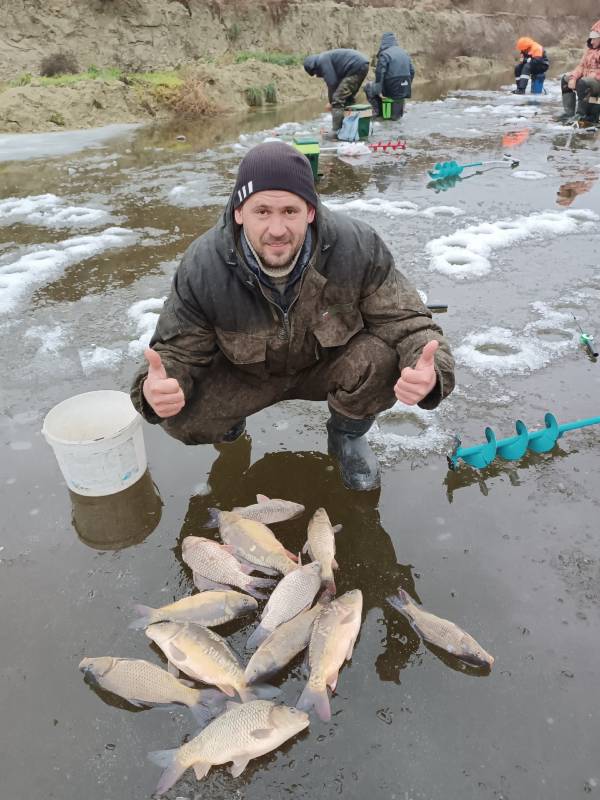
x=310, y=147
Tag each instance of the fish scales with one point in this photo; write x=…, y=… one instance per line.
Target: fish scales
x=254, y=542
x=242, y=733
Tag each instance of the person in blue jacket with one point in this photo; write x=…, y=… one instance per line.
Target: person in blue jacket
x=394, y=73
x=343, y=71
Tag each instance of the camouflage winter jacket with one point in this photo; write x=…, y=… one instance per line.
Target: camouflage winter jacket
x=349, y=285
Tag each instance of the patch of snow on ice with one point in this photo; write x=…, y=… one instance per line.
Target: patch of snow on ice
x=48, y=261
x=528, y=174
x=466, y=252
x=49, y=211
x=98, y=358
x=144, y=315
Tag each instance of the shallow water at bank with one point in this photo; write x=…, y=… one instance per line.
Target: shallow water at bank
x=88, y=245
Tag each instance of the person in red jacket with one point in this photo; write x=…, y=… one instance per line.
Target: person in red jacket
x=534, y=62
x=584, y=82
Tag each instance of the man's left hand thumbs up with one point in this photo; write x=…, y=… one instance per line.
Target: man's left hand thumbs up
x=415, y=383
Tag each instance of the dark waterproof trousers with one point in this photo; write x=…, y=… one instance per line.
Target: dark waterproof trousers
x=345, y=95
x=357, y=380
x=372, y=92
x=584, y=89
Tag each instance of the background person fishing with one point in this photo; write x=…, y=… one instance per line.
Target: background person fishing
x=394, y=74
x=344, y=72
x=584, y=82
x=282, y=300
x=534, y=62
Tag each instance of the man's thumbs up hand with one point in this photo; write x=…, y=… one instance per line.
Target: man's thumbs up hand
x=415, y=383
x=163, y=394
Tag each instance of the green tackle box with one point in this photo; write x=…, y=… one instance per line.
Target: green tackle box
x=310, y=147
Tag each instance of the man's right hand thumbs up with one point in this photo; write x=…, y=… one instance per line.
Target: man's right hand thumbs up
x=164, y=394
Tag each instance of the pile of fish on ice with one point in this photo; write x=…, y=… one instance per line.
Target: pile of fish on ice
x=289, y=622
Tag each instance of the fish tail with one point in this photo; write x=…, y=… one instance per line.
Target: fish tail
x=400, y=600
x=257, y=637
x=210, y=703
x=145, y=617
x=213, y=518
x=173, y=769
x=317, y=699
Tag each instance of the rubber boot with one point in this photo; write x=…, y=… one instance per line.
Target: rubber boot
x=337, y=117
x=521, y=86
x=235, y=432
x=569, y=101
x=346, y=442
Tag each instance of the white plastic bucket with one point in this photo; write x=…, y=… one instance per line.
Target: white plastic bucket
x=98, y=442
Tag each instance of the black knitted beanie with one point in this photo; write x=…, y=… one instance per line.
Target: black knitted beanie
x=275, y=165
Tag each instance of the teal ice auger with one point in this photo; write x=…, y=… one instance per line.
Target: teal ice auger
x=450, y=169
x=513, y=448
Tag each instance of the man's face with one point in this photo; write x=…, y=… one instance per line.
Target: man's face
x=275, y=224
x=595, y=43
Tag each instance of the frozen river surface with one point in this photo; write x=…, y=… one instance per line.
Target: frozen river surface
x=91, y=230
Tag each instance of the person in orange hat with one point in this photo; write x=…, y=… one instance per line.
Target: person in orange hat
x=584, y=82
x=534, y=62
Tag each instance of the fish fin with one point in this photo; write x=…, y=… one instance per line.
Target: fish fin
x=266, y=570
x=319, y=700
x=261, y=691
x=262, y=498
x=145, y=614
x=332, y=680
x=257, y=583
x=337, y=528
x=229, y=704
x=213, y=518
x=172, y=649
x=173, y=770
x=306, y=548
x=262, y=733
x=334, y=564
x=257, y=637
x=238, y=767
x=211, y=703
x=230, y=548
x=247, y=569
x=226, y=689
x=292, y=556
x=172, y=669
x=203, y=584
x=185, y=681
x=400, y=601
x=201, y=769
x=350, y=649
x=137, y=703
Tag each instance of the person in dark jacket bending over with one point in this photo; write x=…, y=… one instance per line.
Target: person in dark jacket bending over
x=343, y=71
x=283, y=300
x=394, y=73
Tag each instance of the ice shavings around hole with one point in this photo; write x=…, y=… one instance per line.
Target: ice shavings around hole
x=528, y=174
x=391, y=208
x=144, y=315
x=502, y=351
x=49, y=211
x=48, y=261
x=429, y=437
x=466, y=252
